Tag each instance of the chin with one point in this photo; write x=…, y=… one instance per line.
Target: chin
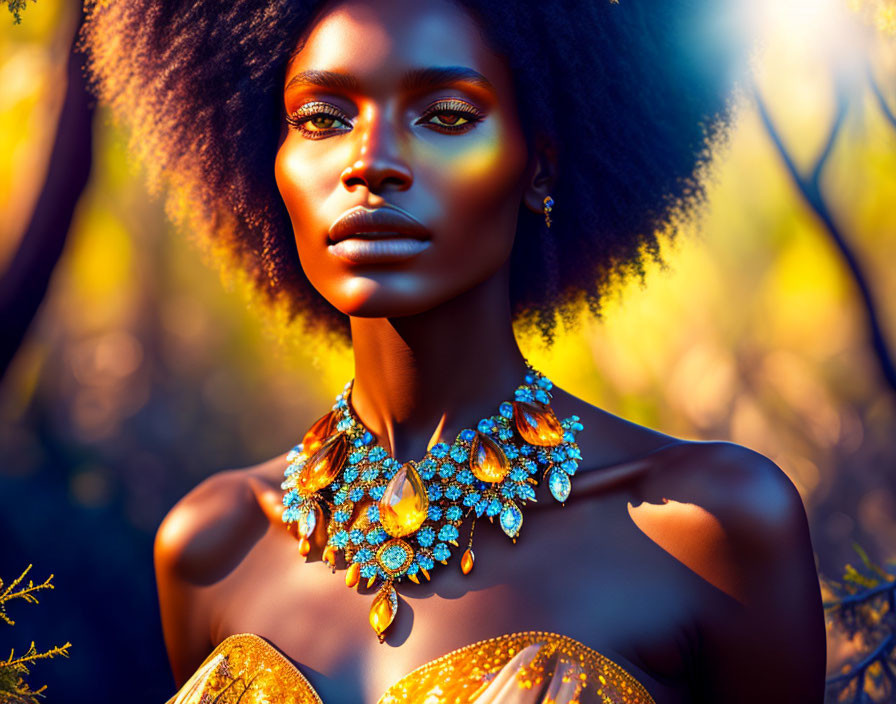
x=377, y=296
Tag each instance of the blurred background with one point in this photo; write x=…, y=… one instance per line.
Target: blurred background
x=141, y=374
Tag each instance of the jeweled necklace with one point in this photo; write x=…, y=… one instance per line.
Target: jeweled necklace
x=417, y=507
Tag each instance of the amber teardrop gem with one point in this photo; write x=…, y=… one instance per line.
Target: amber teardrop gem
x=353, y=574
x=404, y=504
x=329, y=555
x=383, y=609
x=466, y=562
x=537, y=424
x=315, y=435
x=324, y=465
x=304, y=546
x=488, y=461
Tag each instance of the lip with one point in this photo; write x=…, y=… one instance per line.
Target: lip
x=385, y=222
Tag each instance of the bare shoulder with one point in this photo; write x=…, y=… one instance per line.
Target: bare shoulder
x=201, y=540
x=740, y=488
x=735, y=520
x=212, y=526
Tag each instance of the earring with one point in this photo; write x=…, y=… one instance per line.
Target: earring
x=548, y=204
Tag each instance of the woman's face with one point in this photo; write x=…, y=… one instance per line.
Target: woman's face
x=404, y=163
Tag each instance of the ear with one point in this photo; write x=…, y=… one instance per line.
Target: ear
x=541, y=175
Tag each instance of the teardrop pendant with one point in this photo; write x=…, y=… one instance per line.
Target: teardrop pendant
x=322, y=428
x=324, y=465
x=404, y=503
x=487, y=460
x=383, y=610
x=537, y=424
x=352, y=575
x=466, y=562
x=558, y=482
x=511, y=519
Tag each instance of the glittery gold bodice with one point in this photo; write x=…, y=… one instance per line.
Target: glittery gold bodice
x=530, y=667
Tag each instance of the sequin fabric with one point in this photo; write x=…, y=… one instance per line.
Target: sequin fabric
x=529, y=667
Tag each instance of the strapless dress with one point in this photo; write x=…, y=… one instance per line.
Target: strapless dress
x=529, y=667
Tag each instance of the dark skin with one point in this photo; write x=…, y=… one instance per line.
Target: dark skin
x=689, y=564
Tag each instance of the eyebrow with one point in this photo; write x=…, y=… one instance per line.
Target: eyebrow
x=417, y=79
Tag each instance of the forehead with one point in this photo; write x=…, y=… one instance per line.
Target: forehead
x=376, y=43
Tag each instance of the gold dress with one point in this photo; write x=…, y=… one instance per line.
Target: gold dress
x=529, y=667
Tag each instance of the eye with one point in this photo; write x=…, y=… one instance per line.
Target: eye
x=451, y=116
x=318, y=120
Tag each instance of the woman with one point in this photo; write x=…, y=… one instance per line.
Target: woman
x=411, y=153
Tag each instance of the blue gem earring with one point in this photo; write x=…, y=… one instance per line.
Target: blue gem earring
x=548, y=204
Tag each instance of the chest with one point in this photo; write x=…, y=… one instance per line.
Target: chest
x=582, y=570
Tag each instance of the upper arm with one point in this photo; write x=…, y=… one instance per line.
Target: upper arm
x=768, y=644
x=734, y=519
x=199, y=542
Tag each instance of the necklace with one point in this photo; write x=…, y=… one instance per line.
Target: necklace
x=394, y=521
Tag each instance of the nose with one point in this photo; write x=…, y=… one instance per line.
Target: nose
x=379, y=165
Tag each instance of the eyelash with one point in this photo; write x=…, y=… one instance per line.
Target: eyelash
x=452, y=106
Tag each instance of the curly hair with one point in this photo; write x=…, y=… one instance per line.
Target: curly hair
x=634, y=95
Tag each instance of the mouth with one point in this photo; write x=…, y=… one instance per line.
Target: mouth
x=381, y=235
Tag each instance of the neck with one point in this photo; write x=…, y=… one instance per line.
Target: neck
x=423, y=378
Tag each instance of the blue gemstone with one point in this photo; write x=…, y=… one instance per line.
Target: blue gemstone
x=425, y=561
x=485, y=426
x=369, y=474
x=426, y=536
x=441, y=552
x=356, y=494
x=439, y=450
x=453, y=492
x=459, y=453
x=368, y=571
x=454, y=513
x=510, y=452
x=350, y=474
x=471, y=498
x=356, y=456
x=413, y=569
x=339, y=539
x=508, y=490
x=493, y=508
x=434, y=513
x=467, y=435
x=529, y=379
x=356, y=535
x=545, y=383
x=524, y=491
x=506, y=410
x=290, y=496
x=376, y=492
x=434, y=492
x=448, y=533
x=569, y=466
x=504, y=434
x=378, y=453
x=376, y=536
x=446, y=470
x=363, y=555
x=394, y=556
x=542, y=396
x=366, y=438
x=558, y=482
x=511, y=519
x=569, y=436
x=465, y=477
x=341, y=516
